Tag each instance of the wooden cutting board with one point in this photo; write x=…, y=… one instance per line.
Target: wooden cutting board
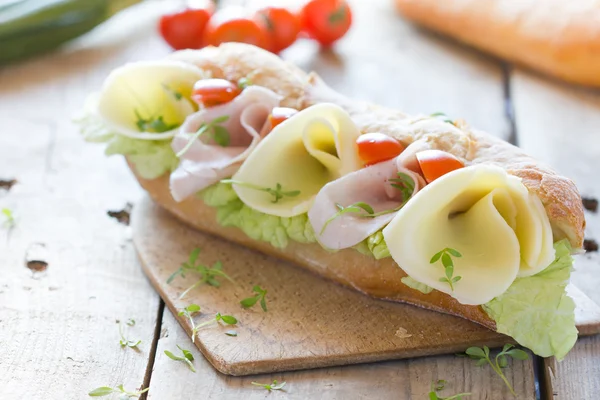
x=310, y=322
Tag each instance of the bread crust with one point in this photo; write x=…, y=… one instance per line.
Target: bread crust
x=559, y=38
x=380, y=279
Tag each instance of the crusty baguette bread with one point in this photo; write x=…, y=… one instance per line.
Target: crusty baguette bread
x=381, y=278
x=557, y=37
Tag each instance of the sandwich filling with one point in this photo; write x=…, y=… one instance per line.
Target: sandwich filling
x=472, y=231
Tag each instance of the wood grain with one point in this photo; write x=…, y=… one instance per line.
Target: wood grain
x=58, y=336
x=559, y=125
x=399, y=380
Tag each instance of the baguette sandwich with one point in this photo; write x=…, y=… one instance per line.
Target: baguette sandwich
x=417, y=209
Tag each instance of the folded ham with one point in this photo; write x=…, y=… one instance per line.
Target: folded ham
x=369, y=185
x=205, y=162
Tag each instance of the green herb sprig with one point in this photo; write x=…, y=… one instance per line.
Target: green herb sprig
x=124, y=341
x=270, y=386
x=446, y=257
x=187, y=358
x=153, y=124
x=9, y=218
x=438, y=386
x=244, y=82
x=188, y=312
x=278, y=193
x=105, y=391
x=260, y=295
x=226, y=319
x=208, y=275
x=403, y=182
x=482, y=355
x=220, y=134
x=444, y=117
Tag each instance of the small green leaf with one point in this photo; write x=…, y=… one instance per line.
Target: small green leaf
x=502, y=361
x=130, y=322
x=101, y=391
x=449, y=271
x=277, y=386
x=229, y=319
x=231, y=333
x=249, y=302
x=436, y=257
x=446, y=260
x=438, y=114
x=173, y=356
x=263, y=304
x=456, y=279
x=244, y=82
x=186, y=353
x=486, y=350
x=476, y=352
x=453, y=252
x=481, y=362
x=507, y=347
x=192, y=308
x=365, y=207
x=439, y=385
x=221, y=135
x=220, y=120
x=518, y=354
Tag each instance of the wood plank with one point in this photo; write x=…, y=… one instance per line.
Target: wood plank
x=59, y=338
x=401, y=380
x=559, y=124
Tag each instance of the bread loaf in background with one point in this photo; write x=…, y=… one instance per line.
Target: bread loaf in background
x=560, y=38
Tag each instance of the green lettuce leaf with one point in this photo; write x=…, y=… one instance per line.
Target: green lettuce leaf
x=413, y=284
x=536, y=310
x=259, y=226
x=152, y=158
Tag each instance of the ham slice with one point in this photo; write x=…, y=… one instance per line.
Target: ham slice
x=206, y=162
x=369, y=185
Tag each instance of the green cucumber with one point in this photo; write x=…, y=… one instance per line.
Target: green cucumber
x=30, y=27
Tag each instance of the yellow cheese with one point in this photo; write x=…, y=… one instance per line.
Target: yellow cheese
x=303, y=153
x=501, y=230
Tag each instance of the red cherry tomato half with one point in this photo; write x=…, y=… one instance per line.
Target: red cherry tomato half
x=280, y=114
x=376, y=147
x=326, y=20
x=436, y=163
x=231, y=24
x=212, y=92
x=184, y=29
x=281, y=25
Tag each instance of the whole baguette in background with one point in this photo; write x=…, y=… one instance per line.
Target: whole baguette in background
x=380, y=279
x=560, y=38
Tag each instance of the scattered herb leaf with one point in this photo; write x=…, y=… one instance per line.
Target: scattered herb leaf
x=231, y=333
x=443, y=116
x=105, y=391
x=130, y=322
x=403, y=182
x=153, y=124
x=9, y=218
x=271, y=386
x=482, y=355
x=244, y=82
x=260, y=295
x=124, y=341
x=278, y=193
x=446, y=257
x=221, y=135
x=438, y=386
x=226, y=319
x=188, y=357
x=207, y=274
x=188, y=312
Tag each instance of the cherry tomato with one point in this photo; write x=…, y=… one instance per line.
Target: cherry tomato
x=232, y=24
x=184, y=29
x=280, y=114
x=376, y=147
x=212, y=92
x=281, y=25
x=436, y=163
x=326, y=20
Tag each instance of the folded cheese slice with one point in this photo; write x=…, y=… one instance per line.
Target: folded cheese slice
x=157, y=91
x=206, y=162
x=302, y=154
x=501, y=230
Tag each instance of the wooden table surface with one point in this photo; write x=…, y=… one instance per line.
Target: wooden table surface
x=68, y=270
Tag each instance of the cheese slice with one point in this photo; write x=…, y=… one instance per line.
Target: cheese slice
x=150, y=89
x=303, y=153
x=501, y=230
